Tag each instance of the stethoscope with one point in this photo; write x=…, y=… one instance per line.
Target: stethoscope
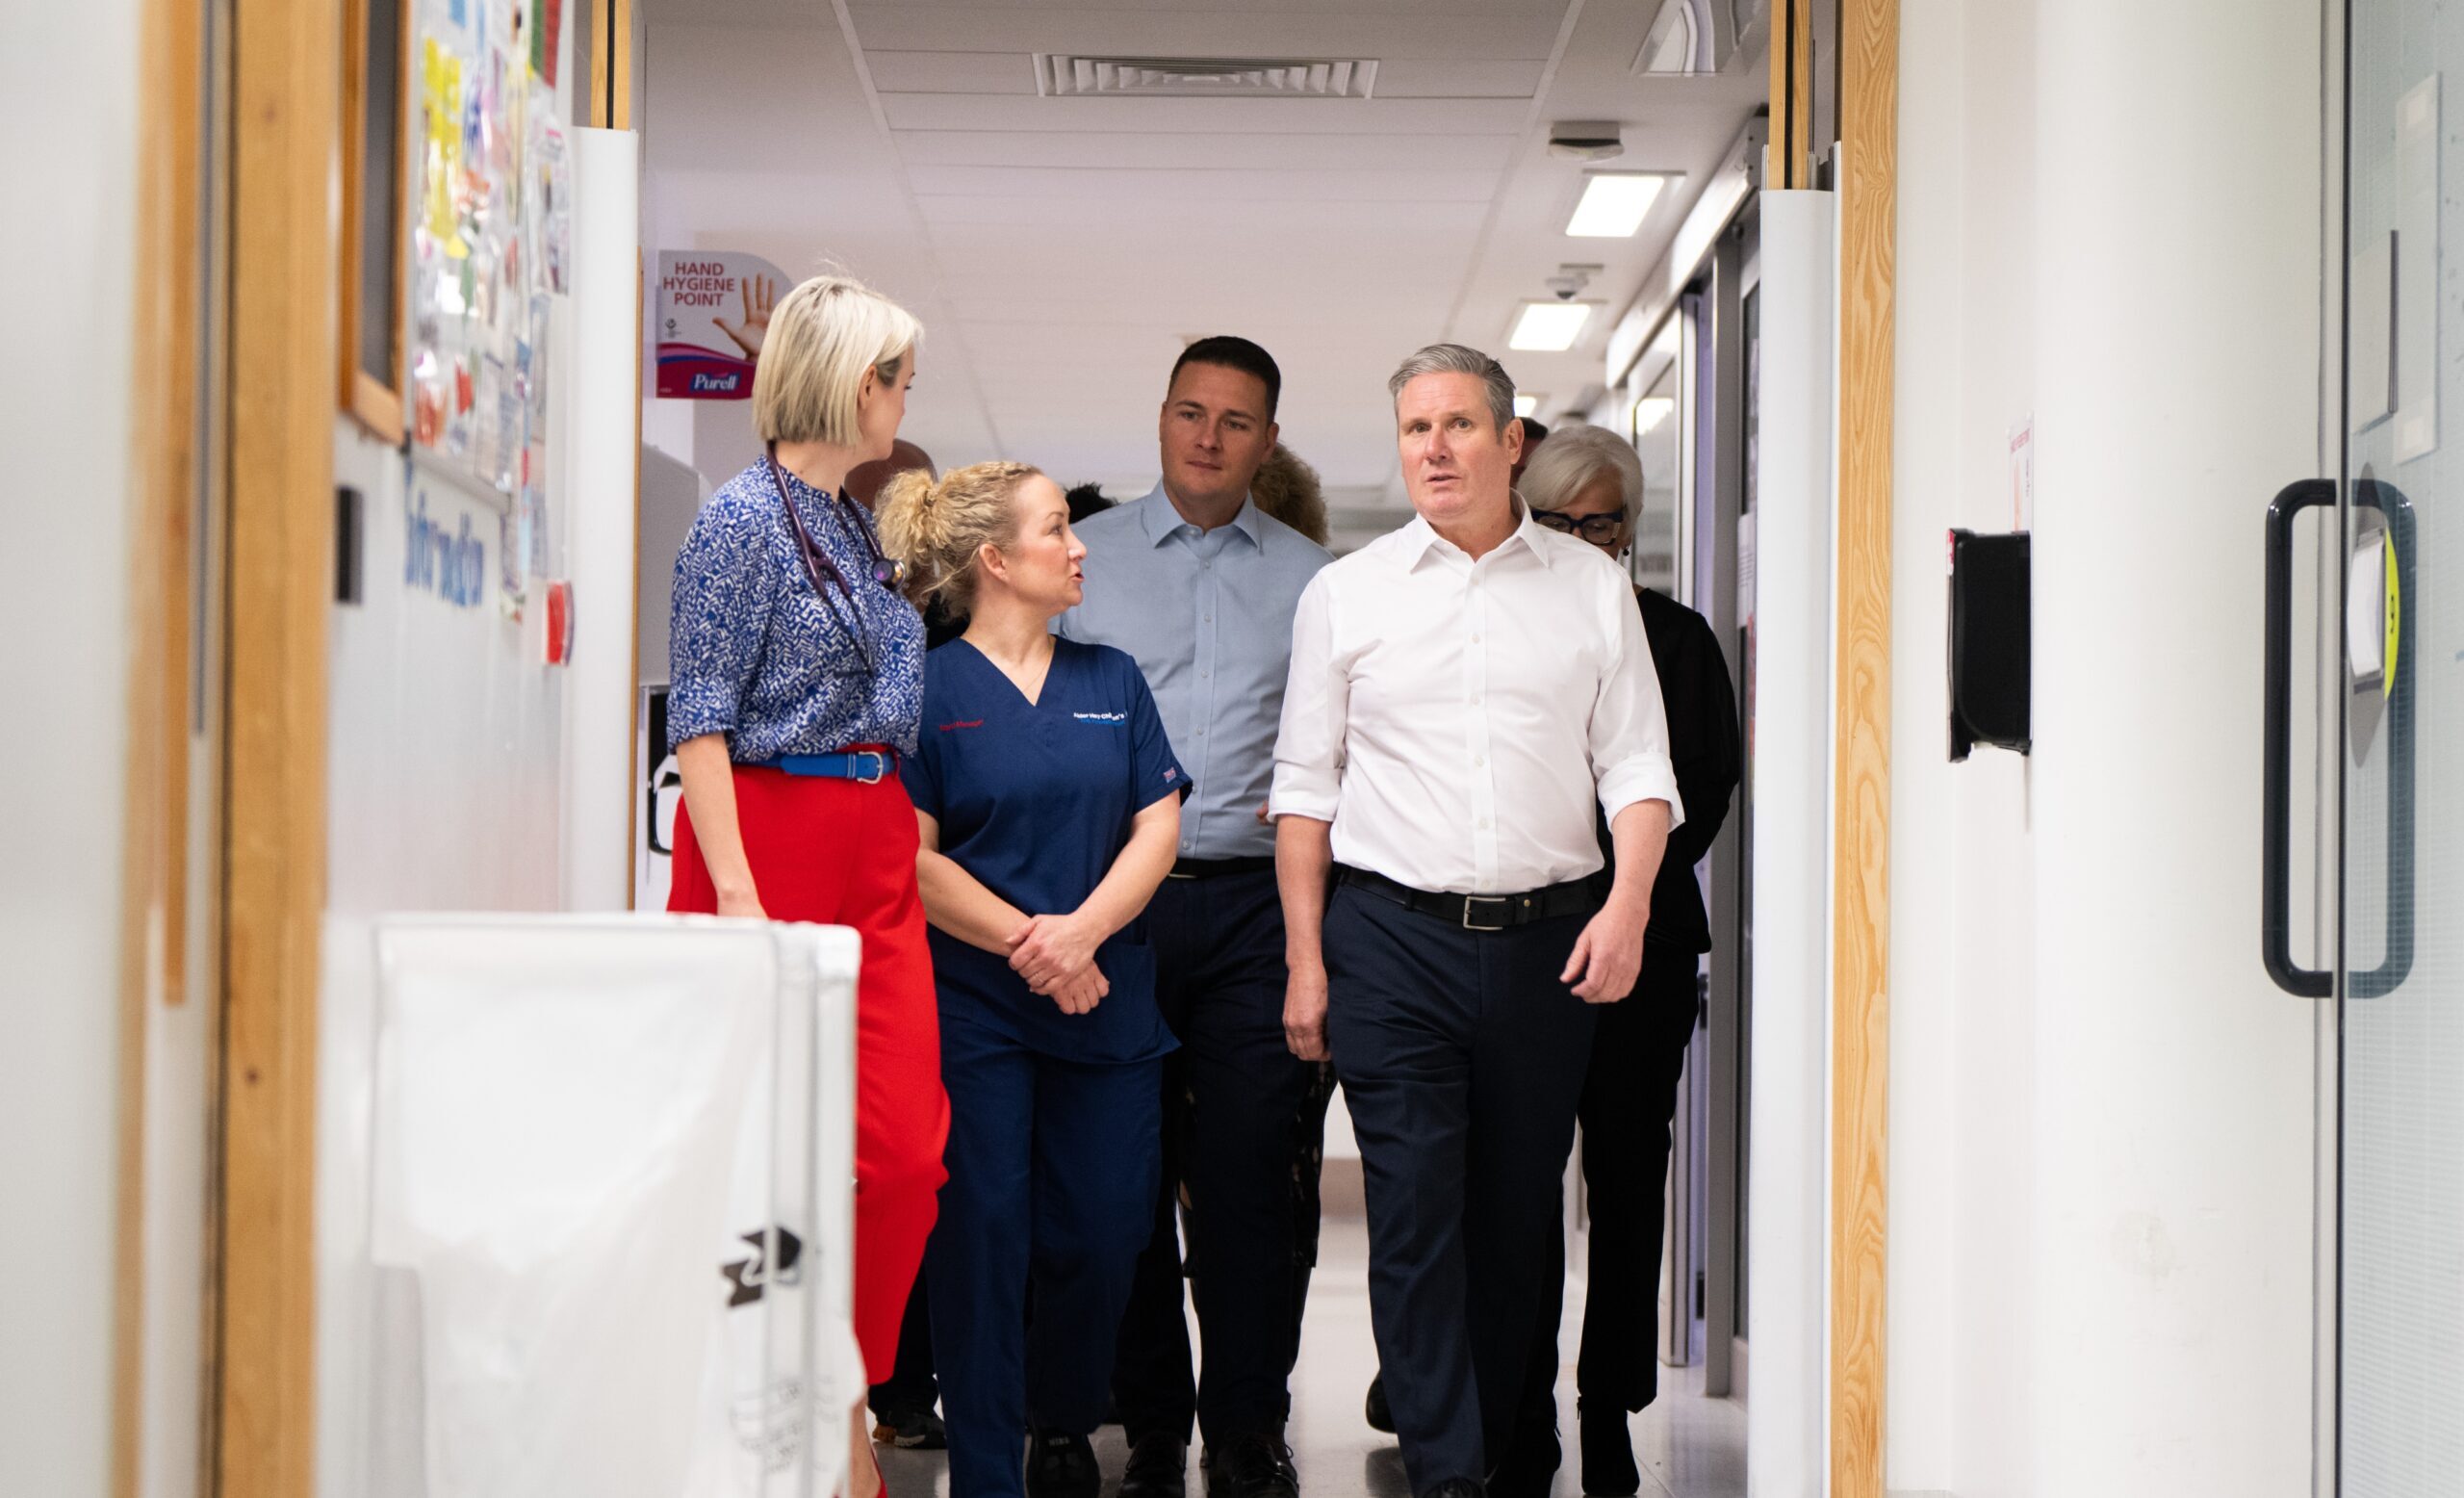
x=886, y=572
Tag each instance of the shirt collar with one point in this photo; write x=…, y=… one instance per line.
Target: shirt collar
x=1420, y=539
x=1159, y=518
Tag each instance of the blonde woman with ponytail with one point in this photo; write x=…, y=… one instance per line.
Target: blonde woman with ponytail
x=1047, y=803
x=795, y=685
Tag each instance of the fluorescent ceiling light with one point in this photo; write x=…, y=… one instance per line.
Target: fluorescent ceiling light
x=1548, y=327
x=1670, y=46
x=1614, y=204
x=1652, y=410
x=1527, y=406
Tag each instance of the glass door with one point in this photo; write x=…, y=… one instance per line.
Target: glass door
x=2400, y=986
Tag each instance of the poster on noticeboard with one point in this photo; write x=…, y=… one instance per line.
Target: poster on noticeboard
x=714, y=308
x=490, y=245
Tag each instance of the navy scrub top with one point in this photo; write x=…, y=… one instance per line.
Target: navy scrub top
x=1035, y=800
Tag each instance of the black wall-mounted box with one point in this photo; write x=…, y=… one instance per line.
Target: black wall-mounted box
x=1989, y=641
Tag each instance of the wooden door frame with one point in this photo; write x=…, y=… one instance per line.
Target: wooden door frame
x=1868, y=186
x=284, y=116
x=286, y=129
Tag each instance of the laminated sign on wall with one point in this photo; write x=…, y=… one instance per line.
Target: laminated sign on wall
x=714, y=308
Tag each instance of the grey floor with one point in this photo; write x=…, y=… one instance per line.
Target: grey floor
x=1687, y=1446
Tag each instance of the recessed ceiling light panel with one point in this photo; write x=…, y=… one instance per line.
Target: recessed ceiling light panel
x=1548, y=327
x=1614, y=204
x=1527, y=406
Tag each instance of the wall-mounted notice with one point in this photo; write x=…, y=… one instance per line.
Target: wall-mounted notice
x=486, y=244
x=714, y=308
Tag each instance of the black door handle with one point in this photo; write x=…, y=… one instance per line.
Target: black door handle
x=2276, y=949
x=2396, y=964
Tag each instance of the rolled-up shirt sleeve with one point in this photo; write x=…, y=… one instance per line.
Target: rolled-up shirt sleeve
x=1309, y=746
x=725, y=586
x=1630, y=757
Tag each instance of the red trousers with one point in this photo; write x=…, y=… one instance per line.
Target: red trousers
x=841, y=853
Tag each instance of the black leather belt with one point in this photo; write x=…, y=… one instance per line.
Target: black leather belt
x=1218, y=867
x=1484, y=912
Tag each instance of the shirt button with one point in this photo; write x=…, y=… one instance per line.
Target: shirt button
x=1484, y=824
x=1479, y=760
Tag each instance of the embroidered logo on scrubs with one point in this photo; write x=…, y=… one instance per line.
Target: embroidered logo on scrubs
x=1101, y=717
x=969, y=723
x=1170, y=774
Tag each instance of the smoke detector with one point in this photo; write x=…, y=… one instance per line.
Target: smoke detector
x=1587, y=139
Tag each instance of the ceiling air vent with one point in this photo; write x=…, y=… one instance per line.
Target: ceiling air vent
x=1064, y=75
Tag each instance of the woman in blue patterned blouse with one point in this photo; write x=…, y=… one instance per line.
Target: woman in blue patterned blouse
x=795, y=685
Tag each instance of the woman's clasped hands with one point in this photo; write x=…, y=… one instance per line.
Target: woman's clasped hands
x=1056, y=954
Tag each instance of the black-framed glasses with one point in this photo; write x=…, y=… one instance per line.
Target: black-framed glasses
x=1598, y=529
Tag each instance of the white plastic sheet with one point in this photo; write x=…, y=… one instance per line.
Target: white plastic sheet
x=611, y=1163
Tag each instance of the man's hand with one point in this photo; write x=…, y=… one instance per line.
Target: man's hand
x=1609, y=953
x=1304, y=1014
x=1049, y=949
x=760, y=294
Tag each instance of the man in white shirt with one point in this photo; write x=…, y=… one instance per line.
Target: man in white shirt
x=1462, y=690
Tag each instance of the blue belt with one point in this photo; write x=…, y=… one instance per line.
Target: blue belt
x=867, y=766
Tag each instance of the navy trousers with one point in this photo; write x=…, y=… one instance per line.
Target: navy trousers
x=1052, y=1179
x=1628, y=1100
x=1244, y=1137
x=1462, y=1059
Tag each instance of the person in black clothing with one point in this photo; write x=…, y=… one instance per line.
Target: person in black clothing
x=1587, y=482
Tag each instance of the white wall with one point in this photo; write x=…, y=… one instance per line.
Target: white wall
x=2101, y=1111
x=67, y=80
x=447, y=791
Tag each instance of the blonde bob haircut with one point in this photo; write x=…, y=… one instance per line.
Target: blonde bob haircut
x=939, y=527
x=823, y=336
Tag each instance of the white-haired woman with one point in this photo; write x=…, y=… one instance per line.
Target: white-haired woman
x=1586, y=481
x=795, y=689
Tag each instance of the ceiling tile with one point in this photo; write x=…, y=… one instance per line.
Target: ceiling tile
x=1265, y=152
x=1282, y=224
x=1207, y=117
x=1450, y=78
x=1131, y=190
x=951, y=72
x=1482, y=31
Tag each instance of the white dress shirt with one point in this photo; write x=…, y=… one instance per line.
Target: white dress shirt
x=1454, y=719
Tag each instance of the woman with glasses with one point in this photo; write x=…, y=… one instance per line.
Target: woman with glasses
x=1585, y=482
x=795, y=689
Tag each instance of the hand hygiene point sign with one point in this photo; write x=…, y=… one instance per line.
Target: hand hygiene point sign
x=714, y=308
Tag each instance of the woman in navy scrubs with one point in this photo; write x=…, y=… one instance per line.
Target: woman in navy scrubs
x=1048, y=804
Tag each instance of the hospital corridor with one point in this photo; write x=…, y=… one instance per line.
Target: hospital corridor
x=1231, y=749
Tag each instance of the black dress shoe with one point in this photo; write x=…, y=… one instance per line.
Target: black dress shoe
x=1380, y=1418
x=1607, y=1454
x=1062, y=1466
x=1250, y=1466
x=1457, y=1488
x=1159, y=1467
x=911, y=1430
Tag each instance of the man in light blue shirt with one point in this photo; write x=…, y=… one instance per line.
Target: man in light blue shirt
x=1200, y=587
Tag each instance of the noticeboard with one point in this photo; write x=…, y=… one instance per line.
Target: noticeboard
x=489, y=245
